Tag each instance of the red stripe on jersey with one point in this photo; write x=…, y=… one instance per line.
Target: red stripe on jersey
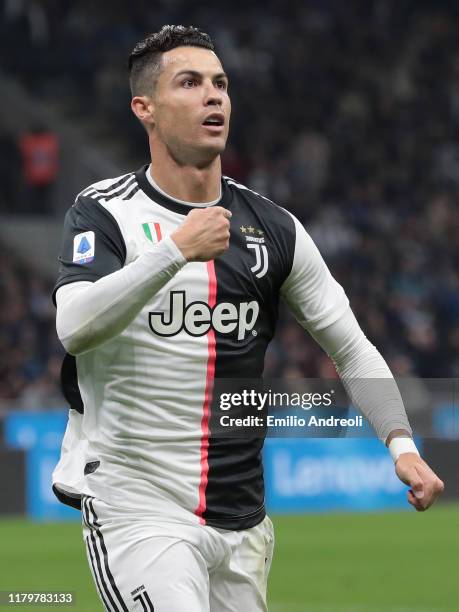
x=158, y=232
x=210, y=374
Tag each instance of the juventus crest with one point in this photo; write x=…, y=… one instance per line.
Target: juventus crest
x=140, y=595
x=255, y=242
x=261, y=262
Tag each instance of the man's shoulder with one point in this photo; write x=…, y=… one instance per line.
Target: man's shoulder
x=253, y=195
x=121, y=187
x=270, y=209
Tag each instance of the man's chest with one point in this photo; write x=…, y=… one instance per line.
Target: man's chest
x=232, y=295
x=251, y=267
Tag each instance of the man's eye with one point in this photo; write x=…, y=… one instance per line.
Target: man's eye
x=188, y=83
x=221, y=84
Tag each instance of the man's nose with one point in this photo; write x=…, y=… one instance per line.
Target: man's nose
x=214, y=101
x=213, y=97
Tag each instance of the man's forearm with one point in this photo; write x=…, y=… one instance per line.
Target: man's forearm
x=365, y=375
x=89, y=314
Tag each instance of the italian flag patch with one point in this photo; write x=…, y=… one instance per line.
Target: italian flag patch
x=152, y=231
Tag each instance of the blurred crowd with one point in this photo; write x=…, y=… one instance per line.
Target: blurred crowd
x=346, y=113
x=30, y=353
x=30, y=165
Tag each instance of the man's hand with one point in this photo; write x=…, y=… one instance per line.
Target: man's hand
x=205, y=233
x=425, y=484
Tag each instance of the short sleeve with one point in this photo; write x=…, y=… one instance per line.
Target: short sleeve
x=315, y=298
x=92, y=244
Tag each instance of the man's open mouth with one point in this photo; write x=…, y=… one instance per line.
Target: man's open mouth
x=216, y=119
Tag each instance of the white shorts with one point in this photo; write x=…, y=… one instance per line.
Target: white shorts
x=141, y=564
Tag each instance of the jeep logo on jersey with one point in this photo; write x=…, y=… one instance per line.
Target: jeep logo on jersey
x=196, y=318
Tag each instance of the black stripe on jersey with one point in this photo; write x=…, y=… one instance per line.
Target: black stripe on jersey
x=105, y=589
x=235, y=486
x=116, y=193
x=131, y=193
x=118, y=183
x=122, y=191
x=104, y=549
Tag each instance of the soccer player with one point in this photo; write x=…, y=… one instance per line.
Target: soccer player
x=170, y=278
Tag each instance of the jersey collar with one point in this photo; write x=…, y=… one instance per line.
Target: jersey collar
x=163, y=200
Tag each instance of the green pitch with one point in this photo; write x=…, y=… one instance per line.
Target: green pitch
x=394, y=562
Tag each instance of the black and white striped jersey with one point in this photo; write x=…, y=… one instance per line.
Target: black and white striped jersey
x=144, y=422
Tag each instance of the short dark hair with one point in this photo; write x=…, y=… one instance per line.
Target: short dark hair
x=145, y=59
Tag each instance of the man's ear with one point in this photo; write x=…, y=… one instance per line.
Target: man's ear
x=144, y=109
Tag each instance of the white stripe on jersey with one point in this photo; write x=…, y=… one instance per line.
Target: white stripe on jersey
x=130, y=189
x=230, y=181
x=106, y=184
x=119, y=190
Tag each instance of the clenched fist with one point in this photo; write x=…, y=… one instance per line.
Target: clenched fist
x=205, y=233
x=425, y=484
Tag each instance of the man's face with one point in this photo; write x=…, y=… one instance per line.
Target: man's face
x=191, y=105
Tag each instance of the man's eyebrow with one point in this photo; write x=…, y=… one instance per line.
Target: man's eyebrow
x=195, y=73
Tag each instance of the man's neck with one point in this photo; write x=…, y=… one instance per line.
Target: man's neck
x=187, y=183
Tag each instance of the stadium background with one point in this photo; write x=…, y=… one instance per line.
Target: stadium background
x=346, y=113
